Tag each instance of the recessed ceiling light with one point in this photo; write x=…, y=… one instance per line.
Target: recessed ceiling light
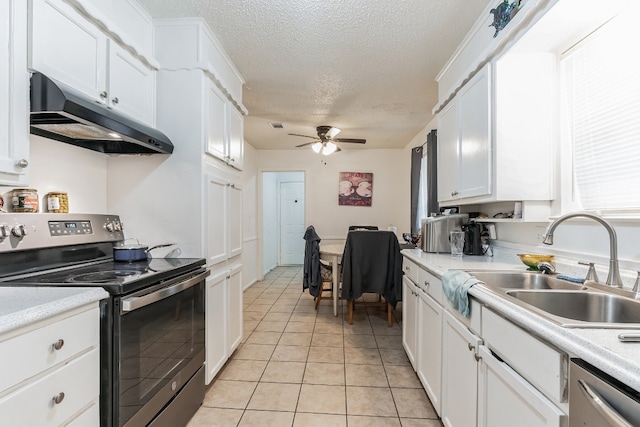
x=276, y=125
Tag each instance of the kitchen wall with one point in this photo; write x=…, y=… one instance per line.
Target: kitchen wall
x=390, y=170
x=55, y=166
x=250, y=238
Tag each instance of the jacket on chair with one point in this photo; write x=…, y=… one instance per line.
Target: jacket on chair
x=312, y=277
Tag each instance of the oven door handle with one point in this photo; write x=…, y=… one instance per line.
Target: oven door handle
x=134, y=303
x=599, y=404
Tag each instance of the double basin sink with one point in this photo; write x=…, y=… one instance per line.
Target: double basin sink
x=568, y=304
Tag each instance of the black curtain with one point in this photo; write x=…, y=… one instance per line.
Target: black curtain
x=432, y=173
x=432, y=178
x=416, y=162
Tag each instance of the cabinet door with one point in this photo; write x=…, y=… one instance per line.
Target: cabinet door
x=474, y=154
x=131, y=85
x=236, y=138
x=14, y=92
x=429, y=353
x=216, y=326
x=459, y=373
x=234, y=215
x=409, y=319
x=67, y=48
x=448, y=152
x=216, y=217
x=234, y=282
x=506, y=399
x=216, y=117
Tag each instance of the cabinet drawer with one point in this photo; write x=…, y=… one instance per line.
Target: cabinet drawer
x=430, y=284
x=88, y=417
x=34, y=404
x=26, y=355
x=410, y=269
x=542, y=365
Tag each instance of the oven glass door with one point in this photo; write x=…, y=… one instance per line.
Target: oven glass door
x=159, y=335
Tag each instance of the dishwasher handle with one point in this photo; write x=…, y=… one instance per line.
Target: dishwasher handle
x=134, y=303
x=608, y=413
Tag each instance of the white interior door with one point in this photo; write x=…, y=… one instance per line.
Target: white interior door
x=291, y=223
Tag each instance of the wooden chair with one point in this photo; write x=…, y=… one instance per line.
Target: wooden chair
x=326, y=272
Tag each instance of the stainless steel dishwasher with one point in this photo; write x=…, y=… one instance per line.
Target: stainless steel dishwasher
x=598, y=400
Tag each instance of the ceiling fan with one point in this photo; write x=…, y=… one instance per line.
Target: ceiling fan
x=325, y=142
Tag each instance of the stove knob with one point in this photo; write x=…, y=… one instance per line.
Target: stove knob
x=110, y=227
x=19, y=230
x=4, y=231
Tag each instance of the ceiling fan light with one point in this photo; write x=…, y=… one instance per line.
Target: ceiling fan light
x=317, y=147
x=329, y=148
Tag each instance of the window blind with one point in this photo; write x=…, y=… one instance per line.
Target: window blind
x=601, y=79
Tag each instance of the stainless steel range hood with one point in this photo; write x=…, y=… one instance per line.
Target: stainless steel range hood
x=60, y=113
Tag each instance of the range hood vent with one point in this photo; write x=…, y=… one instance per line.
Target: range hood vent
x=60, y=113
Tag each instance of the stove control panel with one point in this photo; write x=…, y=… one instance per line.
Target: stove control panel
x=25, y=231
x=61, y=228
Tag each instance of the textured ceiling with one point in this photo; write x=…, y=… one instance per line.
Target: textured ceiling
x=365, y=66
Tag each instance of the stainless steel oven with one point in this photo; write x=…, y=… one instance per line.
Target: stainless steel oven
x=598, y=400
x=152, y=325
x=159, y=345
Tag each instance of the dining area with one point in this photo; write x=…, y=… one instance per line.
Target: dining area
x=367, y=262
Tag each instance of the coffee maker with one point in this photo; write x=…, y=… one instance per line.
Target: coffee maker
x=472, y=238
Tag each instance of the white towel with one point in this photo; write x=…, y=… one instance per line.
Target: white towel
x=456, y=284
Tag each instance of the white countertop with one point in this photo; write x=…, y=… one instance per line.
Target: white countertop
x=599, y=347
x=21, y=306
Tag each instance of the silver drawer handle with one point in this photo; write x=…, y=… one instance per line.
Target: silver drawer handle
x=58, y=344
x=58, y=398
x=608, y=413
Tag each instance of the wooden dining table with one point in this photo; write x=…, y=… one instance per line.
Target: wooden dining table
x=333, y=252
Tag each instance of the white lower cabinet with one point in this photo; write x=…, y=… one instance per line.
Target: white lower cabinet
x=459, y=373
x=482, y=370
x=50, y=373
x=429, y=348
x=409, y=319
x=506, y=399
x=223, y=318
x=224, y=217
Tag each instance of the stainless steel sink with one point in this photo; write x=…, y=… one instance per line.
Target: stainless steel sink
x=523, y=280
x=593, y=308
x=571, y=305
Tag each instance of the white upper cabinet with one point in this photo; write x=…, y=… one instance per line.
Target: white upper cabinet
x=225, y=133
x=464, y=147
x=14, y=92
x=132, y=85
x=188, y=44
x=236, y=137
x=216, y=122
x=104, y=71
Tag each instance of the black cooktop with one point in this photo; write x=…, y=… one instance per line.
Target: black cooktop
x=117, y=278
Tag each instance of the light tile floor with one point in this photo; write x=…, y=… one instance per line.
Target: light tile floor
x=303, y=368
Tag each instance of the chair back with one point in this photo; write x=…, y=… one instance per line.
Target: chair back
x=362, y=227
x=372, y=262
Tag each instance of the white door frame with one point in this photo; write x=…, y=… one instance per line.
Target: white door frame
x=261, y=214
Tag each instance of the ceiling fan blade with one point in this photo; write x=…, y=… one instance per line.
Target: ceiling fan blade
x=305, y=136
x=331, y=133
x=306, y=143
x=351, y=140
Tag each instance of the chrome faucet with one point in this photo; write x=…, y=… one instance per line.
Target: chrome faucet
x=613, y=279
